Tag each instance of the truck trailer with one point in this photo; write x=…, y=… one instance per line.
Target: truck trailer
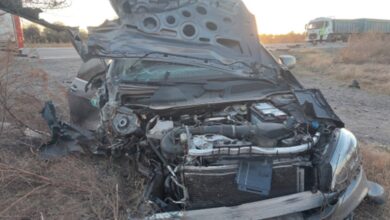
x=341, y=29
x=11, y=32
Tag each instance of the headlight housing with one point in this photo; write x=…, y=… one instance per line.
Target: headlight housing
x=346, y=160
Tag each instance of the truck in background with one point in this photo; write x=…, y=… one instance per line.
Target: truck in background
x=11, y=32
x=341, y=29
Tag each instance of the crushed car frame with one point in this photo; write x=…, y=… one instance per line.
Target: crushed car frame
x=218, y=126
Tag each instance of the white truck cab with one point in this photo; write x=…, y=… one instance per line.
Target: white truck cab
x=314, y=27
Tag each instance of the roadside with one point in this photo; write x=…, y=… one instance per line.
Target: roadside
x=343, y=65
x=365, y=110
x=68, y=188
x=354, y=79
x=376, y=163
x=51, y=53
x=48, y=45
x=365, y=113
x=286, y=47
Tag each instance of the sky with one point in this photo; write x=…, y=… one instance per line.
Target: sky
x=273, y=16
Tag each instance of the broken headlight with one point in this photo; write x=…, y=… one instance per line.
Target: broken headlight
x=346, y=160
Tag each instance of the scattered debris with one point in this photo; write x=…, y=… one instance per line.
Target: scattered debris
x=65, y=138
x=31, y=53
x=355, y=84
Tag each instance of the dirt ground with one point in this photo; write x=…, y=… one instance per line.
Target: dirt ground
x=365, y=111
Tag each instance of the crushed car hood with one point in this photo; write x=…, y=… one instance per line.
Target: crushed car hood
x=213, y=30
x=207, y=29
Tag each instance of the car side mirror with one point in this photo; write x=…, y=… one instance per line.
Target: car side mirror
x=288, y=61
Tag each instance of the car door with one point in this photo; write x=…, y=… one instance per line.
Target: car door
x=89, y=79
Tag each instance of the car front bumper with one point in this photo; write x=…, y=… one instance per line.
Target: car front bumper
x=292, y=206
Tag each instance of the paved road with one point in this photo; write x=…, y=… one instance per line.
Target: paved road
x=274, y=47
x=70, y=53
x=51, y=53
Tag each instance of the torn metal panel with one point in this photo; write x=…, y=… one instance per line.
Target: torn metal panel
x=66, y=138
x=314, y=104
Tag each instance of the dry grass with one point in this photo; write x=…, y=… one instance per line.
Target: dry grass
x=311, y=61
x=367, y=48
x=376, y=162
x=369, y=64
x=69, y=188
x=282, y=38
x=372, y=76
x=23, y=90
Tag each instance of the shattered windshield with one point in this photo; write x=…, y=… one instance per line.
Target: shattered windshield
x=154, y=71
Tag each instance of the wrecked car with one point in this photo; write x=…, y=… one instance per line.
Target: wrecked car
x=218, y=126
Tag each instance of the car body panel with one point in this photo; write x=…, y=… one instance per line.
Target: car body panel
x=286, y=206
x=90, y=77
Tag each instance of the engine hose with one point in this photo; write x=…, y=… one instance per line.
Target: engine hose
x=274, y=151
x=159, y=155
x=268, y=130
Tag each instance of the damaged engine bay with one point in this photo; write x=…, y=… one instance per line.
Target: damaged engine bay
x=221, y=155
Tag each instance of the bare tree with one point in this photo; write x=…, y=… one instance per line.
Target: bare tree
x=30, y=10
x=34, y=4
x=46, y=4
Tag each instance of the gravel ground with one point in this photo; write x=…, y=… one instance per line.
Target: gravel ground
x=61, y=70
